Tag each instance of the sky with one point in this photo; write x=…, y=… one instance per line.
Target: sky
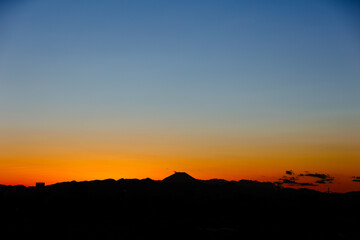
x=218, y=89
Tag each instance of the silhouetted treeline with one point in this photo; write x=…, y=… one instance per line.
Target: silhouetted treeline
x=142, y=209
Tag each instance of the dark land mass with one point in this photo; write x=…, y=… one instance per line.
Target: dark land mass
x=179, y=207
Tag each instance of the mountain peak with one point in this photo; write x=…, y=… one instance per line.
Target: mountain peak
x=179, y=177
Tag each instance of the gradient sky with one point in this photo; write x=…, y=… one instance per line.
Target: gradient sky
x=219, y=89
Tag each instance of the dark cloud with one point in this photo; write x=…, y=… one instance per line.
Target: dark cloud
x=317, y=175
x=288, y=179
x=321, y=182
x=324, y=178
x=303, y=184
x=356, y=179
x=293, y=181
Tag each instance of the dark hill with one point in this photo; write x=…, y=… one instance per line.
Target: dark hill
x=180, y=177
x=188, y=209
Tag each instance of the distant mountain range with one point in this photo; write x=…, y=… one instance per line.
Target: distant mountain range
x=179, y=178
x=177, y=207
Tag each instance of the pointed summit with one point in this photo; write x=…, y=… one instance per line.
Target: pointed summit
x=179, y=177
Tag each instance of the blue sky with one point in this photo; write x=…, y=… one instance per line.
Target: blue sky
x=188, y=59
x=197, y=66
x=199, y=47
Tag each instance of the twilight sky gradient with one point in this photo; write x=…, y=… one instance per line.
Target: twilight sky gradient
x=219, y=89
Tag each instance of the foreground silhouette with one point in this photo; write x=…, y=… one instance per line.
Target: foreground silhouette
x=179, y=207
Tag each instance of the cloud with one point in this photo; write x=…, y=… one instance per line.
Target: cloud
x=355, y=179
x=324, y=178
x=321, y=181
x=288, y=179
x=293, y=181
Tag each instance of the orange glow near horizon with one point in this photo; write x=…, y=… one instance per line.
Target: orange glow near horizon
x=103, y=166
x=53, y=157
x=157, y=170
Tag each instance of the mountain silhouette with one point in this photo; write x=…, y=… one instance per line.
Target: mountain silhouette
x=180, y=177
x=179, y=206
